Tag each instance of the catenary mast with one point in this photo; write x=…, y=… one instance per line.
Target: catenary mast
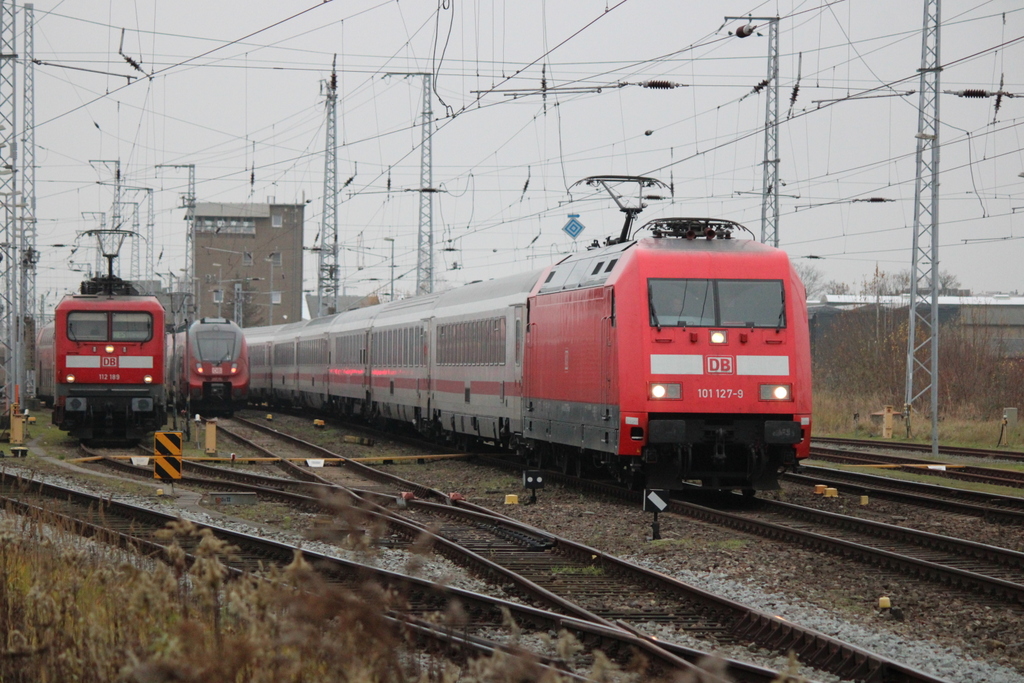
x=923, y=333
x=328, y=275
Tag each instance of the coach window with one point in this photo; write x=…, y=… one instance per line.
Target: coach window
x=136, y=327
x=85, y=326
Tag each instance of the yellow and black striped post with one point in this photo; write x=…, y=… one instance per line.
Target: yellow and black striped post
x=167, y=455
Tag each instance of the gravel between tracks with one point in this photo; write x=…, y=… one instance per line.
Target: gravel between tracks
x=945, y=633
x=958, y=638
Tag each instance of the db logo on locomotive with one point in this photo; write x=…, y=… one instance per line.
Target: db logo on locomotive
x=720, y=365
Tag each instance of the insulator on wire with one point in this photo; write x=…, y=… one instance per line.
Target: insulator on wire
x=796, y=91
x=970, y=92
x=661, y=85
x=745, y=30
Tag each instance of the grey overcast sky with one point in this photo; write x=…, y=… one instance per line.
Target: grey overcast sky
x=236, y=89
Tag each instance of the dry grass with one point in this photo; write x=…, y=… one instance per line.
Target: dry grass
x=842, y=414
x=859, y=365
x=79, y=611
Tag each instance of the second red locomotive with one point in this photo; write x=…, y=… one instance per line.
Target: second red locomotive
x=208, y=368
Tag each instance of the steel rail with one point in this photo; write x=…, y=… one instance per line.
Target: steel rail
x=812, y=647
x=959, y=451
x=985, y=475
x=990, y=507
x=92, y=515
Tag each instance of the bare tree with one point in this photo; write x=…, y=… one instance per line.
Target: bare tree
x=812, y=277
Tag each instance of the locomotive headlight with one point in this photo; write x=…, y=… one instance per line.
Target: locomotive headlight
x=234, y=368
x=776, y=392
x=109, y=349
x=199, y=368
x=148, y=379
x=70, y=379
x=719, y=337
x=661, y=390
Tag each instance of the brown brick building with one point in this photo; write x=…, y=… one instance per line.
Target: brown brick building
x=248, y=262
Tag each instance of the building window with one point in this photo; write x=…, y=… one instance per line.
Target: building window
x=277, y=221
x=247, y=258
x=275, y=298
x=275, y=258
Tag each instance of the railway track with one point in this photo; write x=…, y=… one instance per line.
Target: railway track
x=971, y=473
x=485, y=632
x=995, y=573
x=609, y=590
x=958, y=451
x=990, y=507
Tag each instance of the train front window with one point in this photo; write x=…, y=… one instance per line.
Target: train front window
x=716, y=303
x=751, y=303
x=134, y=327
x=216, y=347
x=682, y=303
x=86, y=326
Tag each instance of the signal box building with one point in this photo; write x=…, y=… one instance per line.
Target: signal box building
x=248, y=262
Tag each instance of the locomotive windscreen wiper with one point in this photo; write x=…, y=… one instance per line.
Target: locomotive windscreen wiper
x=650, y=307
x=782, y=309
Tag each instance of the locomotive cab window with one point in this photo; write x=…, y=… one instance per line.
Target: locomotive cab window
x=86, y=326
x=136, y=327
x=216, y=346
x=716, y=303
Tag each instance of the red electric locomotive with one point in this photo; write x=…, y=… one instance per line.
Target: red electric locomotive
x=673, y=359
x=101, y=363
x=208, y=368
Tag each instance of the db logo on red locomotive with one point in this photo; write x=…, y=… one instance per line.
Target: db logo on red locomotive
x=108, y=361
x=720, y=365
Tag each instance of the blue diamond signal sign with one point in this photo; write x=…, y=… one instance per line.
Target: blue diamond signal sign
x=573, y=228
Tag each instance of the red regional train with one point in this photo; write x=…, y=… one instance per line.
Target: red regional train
x=100, y=363
x=676, y=359
x=208, y=368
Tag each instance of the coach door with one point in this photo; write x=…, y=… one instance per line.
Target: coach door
x=367, y=360
x=607, y=325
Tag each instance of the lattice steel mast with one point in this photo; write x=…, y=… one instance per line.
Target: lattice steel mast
x=135, y=271
x=10, y=327
x=923, y=334
x=328, y=275
x=770, y=176
x=425, y=236
x=188, y=202
x=29, y=252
